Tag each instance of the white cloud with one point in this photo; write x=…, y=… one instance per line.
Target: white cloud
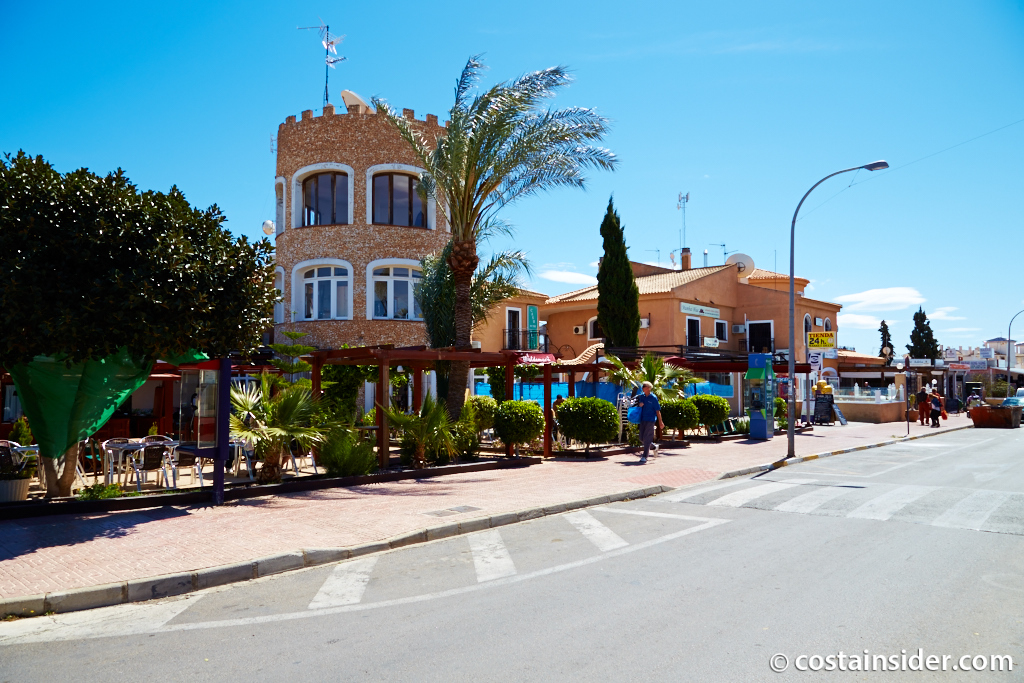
x=568, y=277
x=961, y=329
x=943, y=313
x=859, y=321
x=594, y=264
x=887, y=299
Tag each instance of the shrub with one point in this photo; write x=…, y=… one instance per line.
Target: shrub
x=370, y=418
x=712, y=409
x=100, y=492
x=484, y=406
x=496, y=380
x=633, y=435
x=343, y=454
x=588, y=420
x=743, y=425
x=21, y=433
x=680, y=414
x=518, y=422
x=781, y=407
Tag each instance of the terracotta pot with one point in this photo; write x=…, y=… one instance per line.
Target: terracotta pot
x=12, y=490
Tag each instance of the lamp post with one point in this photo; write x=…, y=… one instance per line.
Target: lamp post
x=906, y=397
x=1010, y=353
x=790, y=428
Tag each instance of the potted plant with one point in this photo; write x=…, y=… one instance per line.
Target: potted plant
x=14, y=483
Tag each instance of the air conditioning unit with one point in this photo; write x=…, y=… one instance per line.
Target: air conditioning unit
x=579, y=329
x=739, y=329
x=645, y=323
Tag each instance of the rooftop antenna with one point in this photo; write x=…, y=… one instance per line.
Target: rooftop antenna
x=330, y=43
x=725, y=254
x=681, y=204
x=659, y=255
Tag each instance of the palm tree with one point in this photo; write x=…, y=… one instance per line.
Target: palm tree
x=499, y=147
x=271, y=422
x=431, y=429
x=668, y=380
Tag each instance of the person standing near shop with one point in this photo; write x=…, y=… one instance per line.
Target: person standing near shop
x=922, y=405
x=936, y=403
x=650, y=415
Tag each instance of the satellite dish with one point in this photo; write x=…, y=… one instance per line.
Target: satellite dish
x=268, y=227
x=744, y=264
x=350, y=99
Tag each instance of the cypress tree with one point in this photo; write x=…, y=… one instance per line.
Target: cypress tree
x=618, y=298
x=886, y=339
x=922, y=340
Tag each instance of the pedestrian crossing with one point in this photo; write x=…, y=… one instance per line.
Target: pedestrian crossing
x=949, y=507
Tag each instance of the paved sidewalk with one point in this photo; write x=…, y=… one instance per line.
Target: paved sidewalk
x=72, y=551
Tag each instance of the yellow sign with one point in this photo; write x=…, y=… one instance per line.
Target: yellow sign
x=821, y=340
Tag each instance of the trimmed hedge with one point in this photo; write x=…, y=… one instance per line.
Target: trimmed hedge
x=588, y=420
x=518, y=422
x=680, y=414
x=713, y=409
x=484, y=407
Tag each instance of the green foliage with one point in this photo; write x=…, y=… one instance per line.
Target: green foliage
x=483, y=408
x=290, y=361
x=496, y=380
x=341, y=383
x=922, y=339
x=518, y=422
x=430, y=430
x=668, y=380
x=526, y=371
x=743, y=425
x=680, y=414
x=154, y=429
x=712, y=409
x=21, y=433
x=588, y=420
x=344, y=454
x=91, y=265
x=100, y=492
x=618, y=298
x=886, y=339
x=633, y=435
x=781, y=407
x=370, y=417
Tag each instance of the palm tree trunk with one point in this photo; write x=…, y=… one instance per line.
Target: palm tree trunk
x=270, y=471
x=463, y=262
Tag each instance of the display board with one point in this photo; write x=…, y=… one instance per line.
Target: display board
x=823, y=408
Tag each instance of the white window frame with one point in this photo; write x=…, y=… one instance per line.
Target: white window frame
x=313, y=169
x=431, y=212
x=828, y=324
x=298, y=304
x=700, y=332
x=758, y=322
x=279, y=312
x=518, y=310
x=590, y=329
x=279, y=203
x=726, y=323
x=390, y=263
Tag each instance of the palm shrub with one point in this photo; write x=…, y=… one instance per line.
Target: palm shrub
x=428, y=431
x=518, y=422
x=680, y=414
x=271, y=422
x=588, y=420
x=344, y=454
x=712, y=409
x=668, y=381
x=483, y=411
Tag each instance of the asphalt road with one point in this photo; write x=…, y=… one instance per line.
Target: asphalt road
x=915, y=545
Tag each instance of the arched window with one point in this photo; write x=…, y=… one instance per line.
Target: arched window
x=325, y=199
x=594, y=331
x=807, y=324
x=394, y=292
x=326, y=293
x=279, y=305
x=396, y=201
x=828, y=324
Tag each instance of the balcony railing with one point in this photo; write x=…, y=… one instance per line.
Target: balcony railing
x=760, y=345
x=524, y=340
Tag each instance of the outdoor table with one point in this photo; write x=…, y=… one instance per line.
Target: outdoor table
x=113, y=456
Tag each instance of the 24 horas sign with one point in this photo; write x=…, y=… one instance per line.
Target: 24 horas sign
x=821, y=340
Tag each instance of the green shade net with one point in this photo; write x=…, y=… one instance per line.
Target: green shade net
x=65, y=404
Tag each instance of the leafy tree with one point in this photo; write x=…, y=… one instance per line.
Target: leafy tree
x=499, y=147
x=712, y=409
x=922, y=339
x=98, y=275
x=430, y=430
x=588, y=420
x=680, y=414
x=886, y=339
x=618, y=297
x=290, y=362
x=518, y=422
x=668, y=380
x=272, y=421
x=483, y=407
x=341, y=383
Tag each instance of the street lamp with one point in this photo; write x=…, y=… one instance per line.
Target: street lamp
x=1010, y=355
x=906, y=397
x=790, y=428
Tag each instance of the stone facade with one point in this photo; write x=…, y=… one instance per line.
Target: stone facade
x=359, y=143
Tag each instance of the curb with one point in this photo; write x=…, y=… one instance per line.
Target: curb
x=154, y=587
x=793, y=461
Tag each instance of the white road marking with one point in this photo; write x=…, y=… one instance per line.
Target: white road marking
x=490, y=556
x=809, y=502
x=693, y=493
x=973, y=511
x=601, y=536
x=930, y=457
x=645, y=513
x=888, y=504
x=346, y=584
x=738, y=498
x=708, y=523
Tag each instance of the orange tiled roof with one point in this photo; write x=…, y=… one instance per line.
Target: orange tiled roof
x=659, y=283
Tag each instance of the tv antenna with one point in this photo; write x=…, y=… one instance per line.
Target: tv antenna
x=681, y=204
x=725, y=254
x=330, y=43
x=658, y=251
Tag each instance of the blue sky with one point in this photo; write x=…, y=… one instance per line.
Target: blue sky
x=744, y=105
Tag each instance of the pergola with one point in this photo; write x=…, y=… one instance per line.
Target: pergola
x=420, y=358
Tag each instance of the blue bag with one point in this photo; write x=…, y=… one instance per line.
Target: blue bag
x=633, y=414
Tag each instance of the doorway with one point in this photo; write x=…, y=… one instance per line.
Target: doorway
x=759, y=338
x=693, y=332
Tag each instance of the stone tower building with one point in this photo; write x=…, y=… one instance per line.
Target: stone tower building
x=351, y=228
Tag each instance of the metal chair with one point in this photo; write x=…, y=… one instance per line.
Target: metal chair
x=108, y=454
x=150, y=459
x=290, y=454
x=8, y=456
x=248, y=454
x=186, y=458
x=156, y=438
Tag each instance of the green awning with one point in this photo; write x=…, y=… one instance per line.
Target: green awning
x=754, y=373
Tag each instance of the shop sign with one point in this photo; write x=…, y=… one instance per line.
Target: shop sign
x=832, y=354
x=978, y=364
x=920, y=362
x=959, y=366
x=821, y=340
x=987, y=353
x=697, y=309
x=711, y=342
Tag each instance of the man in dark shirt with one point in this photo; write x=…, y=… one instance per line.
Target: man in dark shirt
x=650, y=413
x=923, y=409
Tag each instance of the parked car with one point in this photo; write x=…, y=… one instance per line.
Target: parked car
x=1012, y=401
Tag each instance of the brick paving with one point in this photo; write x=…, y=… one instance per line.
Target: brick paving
x=72, y=551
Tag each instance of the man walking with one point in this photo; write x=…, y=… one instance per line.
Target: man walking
x=923, y=407
x=650, y=413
